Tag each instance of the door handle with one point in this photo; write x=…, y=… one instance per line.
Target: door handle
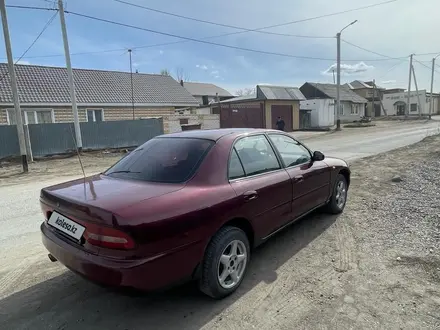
x=298, y=178
x=250, y=195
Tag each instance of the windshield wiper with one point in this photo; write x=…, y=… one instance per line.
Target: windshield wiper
x=125, y=171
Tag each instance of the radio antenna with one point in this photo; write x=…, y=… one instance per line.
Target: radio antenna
x=77, y=152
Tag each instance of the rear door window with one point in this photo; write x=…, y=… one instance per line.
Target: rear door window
x=256, y=155
x=166, y=160
x=235, y=168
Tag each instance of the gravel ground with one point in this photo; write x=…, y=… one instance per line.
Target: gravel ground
x=58, y=166
x=376, y=266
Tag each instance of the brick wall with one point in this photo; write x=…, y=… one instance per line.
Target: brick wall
x=65, y=115
x=171, y=124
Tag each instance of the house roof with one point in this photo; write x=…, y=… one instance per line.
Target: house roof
x=345, y=93
x=201, y=89
x=251, y=97
x=49, y=85
x=284, y=93
x=358, y=84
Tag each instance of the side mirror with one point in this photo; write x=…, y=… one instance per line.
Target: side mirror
x=318, y=156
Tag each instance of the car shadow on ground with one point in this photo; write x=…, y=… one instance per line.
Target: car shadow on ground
x=67, y=301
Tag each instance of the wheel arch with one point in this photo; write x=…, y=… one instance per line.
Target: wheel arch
x=346, y=173
x=239, y=222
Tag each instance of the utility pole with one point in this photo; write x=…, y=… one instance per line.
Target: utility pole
x=417, y=91
x=338, y=80
x=338, y=75
x=373, y=109
x=131, y=79
x=70, y=75
x=408, y=104
x=432, y=86
x=18, y=116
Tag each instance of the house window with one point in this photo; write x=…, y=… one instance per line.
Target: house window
x=341, y=108
x=355, y=109
x=96, y=115
x=413, y=107
x=37, y=116
x=183, y=121
x=205, y=100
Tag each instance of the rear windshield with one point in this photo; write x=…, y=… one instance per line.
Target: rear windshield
x=166, y=160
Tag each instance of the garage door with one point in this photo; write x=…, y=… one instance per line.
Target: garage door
x=242, y=116
x=285, y=112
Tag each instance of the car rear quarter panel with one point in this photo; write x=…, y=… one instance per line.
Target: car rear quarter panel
x=187, y=216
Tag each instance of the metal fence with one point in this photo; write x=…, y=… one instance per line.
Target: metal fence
x=51, y=139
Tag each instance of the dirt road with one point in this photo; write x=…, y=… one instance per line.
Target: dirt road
x=376, y=266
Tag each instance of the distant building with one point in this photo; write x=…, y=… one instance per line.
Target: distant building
x=396, y=102
x=206, y=93
x=372, y=93
x=262, y=109
x=352, y=104
x=100, y=95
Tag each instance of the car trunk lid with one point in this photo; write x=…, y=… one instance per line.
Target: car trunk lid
x=99, y=198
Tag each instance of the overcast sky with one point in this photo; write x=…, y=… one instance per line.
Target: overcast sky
x=396, y=29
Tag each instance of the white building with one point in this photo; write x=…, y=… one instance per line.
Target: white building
x=396, y=103
x=322, y=112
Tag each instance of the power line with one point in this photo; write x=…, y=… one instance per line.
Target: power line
x=304, y=19
x=33, y=42
x=373, y=52
x=424, y=65
x=193, y=39
x=391, y=69
x=221, y=24
x=217, y=36
x=436, y=53
x=30, y=7
x=204, y=41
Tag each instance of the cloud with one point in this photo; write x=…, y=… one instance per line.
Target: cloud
x=203, y=66
x=160, y=52
x=23, y=62
x=215, y=72
x=388, y=82
x=349, y=69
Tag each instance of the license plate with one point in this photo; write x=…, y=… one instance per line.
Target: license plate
x=66, y=225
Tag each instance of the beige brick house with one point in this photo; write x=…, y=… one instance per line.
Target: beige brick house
x=101, y=95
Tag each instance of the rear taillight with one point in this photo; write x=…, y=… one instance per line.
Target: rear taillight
x=108, y=238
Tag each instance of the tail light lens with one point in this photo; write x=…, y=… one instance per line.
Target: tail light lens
x=108, y=238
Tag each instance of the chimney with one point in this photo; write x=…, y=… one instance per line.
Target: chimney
x=181, y=82
x=137, y=71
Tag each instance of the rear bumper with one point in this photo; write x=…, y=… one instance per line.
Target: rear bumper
x=145, y=274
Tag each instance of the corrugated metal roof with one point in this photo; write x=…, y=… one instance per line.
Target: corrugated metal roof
x=202, y=89
x=49, y=85
x=345, y=93
x=279, y=93
x=252, y=97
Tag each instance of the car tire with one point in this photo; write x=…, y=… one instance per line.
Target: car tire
x=335, y=205
x=224, y=265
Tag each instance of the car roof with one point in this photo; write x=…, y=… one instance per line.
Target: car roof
x=214, y=134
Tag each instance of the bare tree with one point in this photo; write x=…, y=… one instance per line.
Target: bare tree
x=245, y=92
x=182, y=75
x=165, y=72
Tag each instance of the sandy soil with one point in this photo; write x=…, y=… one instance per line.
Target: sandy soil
x=376, y=266
x=58, y=166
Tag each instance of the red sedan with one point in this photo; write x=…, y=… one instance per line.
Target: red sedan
x=190, y=205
